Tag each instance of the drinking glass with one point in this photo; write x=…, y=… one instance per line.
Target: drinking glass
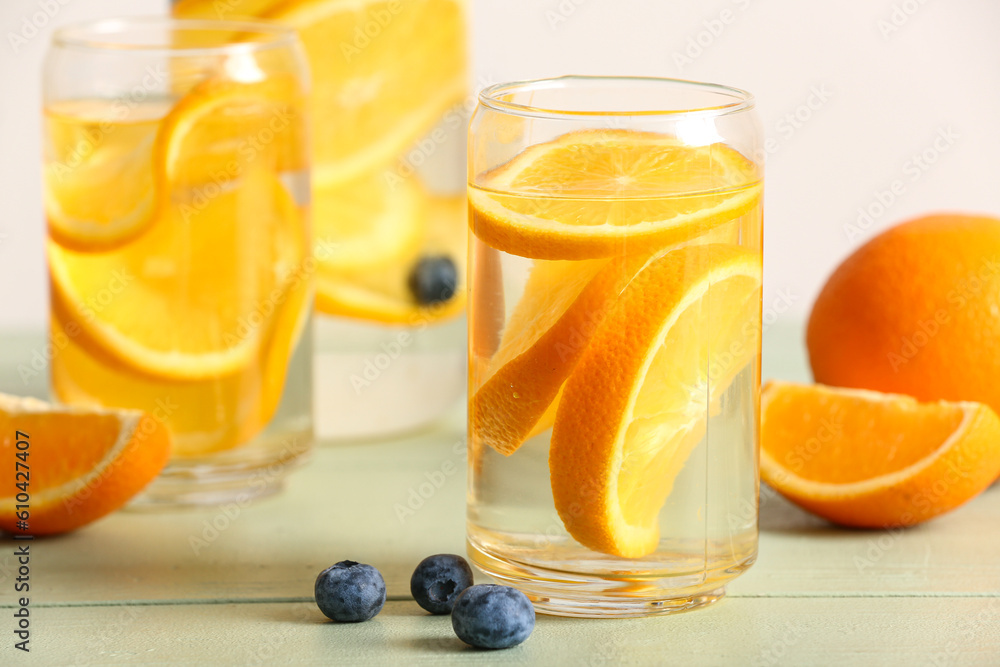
x=176, y=184
x=614, y=341
x=391, y=103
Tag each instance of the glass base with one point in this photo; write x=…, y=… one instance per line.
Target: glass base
x=376, y=381
x=560, y=593
x=236, y=476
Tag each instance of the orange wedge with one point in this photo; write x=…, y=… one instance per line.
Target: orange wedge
x=78, y=464
x=202, y=306
x=872, y=460
x=562, y=304
x=596, y=193
x=637, y=400
x=487, y=310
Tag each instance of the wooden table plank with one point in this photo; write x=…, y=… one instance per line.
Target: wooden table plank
x=339, y=506
x=803, y=555
x=344, y=505
x=801, y=631
x=232, y=585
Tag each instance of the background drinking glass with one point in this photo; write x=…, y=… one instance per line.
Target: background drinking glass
x=176, y=194
x=614, y=341
x=391, y=104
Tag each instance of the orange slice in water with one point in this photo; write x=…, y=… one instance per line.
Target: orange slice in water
x=562, y=303
x=179, y=302
x=218, y=131
x=615, y=191
x=546, y=333
x=376, y=245
x=636, y=402
x=99, y=187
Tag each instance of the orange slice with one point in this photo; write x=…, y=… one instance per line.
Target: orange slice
x=204, y=416
x=180, y=301
x=366, y=275
x=637, y=401
x=88, y=159
x=213, y=9
x=562, y=303
x=548, y=330
x=392, y=73
x=388, y=70
x=388, y=302
x=487, y=310
x=596, y=193
x=215, y=134
x=79, y=464
x=224, y=128
x=872, y=460
x=368, y=225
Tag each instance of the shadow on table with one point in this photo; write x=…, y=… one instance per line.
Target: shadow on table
x=304, y=612
x=452, y=645
x=777, y=515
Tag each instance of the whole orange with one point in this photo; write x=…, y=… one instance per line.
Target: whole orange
x=916, y=311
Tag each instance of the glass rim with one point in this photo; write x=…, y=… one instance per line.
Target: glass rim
x=491, y=97
x=89, y=35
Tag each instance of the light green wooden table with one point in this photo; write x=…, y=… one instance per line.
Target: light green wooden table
x=232, y=586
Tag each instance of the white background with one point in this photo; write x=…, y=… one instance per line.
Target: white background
x=884, y=78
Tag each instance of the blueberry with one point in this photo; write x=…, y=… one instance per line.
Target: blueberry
x=350, y=592
x=492, y=616
x=433, y=280
x=438, y=580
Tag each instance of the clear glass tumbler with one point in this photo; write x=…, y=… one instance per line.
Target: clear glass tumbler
x=391, y=106
x=176, y=183
x=614, y=341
